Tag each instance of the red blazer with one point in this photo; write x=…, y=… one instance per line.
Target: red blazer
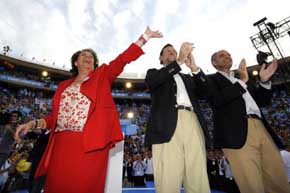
x=102, y=127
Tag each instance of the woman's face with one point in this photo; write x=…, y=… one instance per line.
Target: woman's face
x=85, y=62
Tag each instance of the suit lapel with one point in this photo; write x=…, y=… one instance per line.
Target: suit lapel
x=89, y=86
x=221, y=81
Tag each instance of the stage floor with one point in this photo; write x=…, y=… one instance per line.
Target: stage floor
x=150, y=189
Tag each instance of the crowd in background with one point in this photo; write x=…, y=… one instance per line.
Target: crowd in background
x=28, y=78
x=137, y=163
x=278, y=114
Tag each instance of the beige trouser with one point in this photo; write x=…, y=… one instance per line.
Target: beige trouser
x=183, y=159
x=258, y=166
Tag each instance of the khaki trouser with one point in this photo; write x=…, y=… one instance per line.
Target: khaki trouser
x=258, y=166
x=183, y=159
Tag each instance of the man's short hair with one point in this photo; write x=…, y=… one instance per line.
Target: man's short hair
x=213, y=57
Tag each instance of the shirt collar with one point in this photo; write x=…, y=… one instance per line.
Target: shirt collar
x=232, y=74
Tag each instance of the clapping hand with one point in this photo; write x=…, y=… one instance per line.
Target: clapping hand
x=243, y=71
x=266, y=73
x=190, y=63
x=184, y=52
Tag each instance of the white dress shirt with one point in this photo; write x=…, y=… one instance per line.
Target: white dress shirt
x=251, y=105
x=148, y=166
x=182, y=97
x=138, y=168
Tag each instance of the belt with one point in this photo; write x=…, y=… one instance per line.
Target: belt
x=253, y=116
x=181, y=107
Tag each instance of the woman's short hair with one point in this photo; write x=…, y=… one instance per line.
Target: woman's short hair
x=74, y=58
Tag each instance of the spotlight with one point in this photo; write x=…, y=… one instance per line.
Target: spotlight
x=255, y=72
x=128, y=85
x=130, y=115
x=44, y=73
x=271, y=26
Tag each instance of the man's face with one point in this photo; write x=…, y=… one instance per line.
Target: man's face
x=210, y=155
x=149, y=154
x=223, y=60
x=13, y=117
x=168, y=55
x=126, y=156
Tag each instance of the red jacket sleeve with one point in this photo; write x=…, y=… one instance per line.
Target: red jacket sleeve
x=117, y=65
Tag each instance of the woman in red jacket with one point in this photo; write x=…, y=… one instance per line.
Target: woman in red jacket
x=84, y=123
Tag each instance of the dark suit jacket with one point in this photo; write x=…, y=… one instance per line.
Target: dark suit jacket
x=230, y=116
x=163, y=115
x=128, y=166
